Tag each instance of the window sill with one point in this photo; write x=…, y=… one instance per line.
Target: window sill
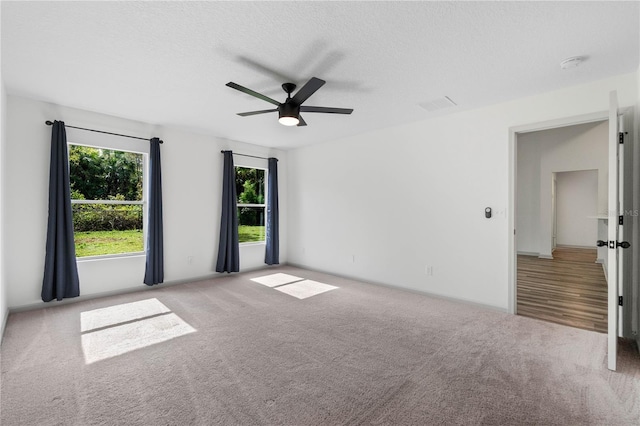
x=110, y=256
x=253, y=243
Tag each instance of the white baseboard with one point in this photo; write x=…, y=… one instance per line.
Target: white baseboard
x=527, y=253
x=141, y=287
x=578, y=247
x=545, y=256
x=397, y=287
x=3, y=325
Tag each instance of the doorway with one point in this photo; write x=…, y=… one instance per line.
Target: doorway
x=561, y=188
x=621, y=218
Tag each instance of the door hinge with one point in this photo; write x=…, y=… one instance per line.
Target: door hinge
x=620, y=220
x=619, y=300
x=612, y=244
x=621, y=137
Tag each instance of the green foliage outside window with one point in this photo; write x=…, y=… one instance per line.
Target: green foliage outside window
x=250, y=185
x=106, y=217
x=104, y=174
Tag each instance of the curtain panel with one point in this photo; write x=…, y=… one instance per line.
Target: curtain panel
x=272, y=252
x=60, y=269
x=228, y=245
x=154, y=267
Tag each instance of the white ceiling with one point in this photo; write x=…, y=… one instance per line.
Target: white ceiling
x=167, y=63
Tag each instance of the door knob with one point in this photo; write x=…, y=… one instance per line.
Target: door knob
x=624, y=244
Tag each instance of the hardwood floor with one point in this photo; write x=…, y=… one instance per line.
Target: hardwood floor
x=569, y=289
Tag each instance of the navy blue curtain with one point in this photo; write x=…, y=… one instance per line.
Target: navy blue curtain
x=228, y=245
x=272, y=253
x=60, y=270
x=154, y=270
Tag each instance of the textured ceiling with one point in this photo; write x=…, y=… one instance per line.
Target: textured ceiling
x=167, y=63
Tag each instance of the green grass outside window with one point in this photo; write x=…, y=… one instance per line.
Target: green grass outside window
x=99, y=243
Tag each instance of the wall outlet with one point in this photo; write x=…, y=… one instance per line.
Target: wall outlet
x=428, y=270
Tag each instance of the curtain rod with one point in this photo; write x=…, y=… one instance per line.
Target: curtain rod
x=246, y=155
x=50, y=123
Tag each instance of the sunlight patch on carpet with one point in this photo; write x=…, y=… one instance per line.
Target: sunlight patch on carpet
x=306, y=288
x=116, y=330
x=113, y=315
x=275, y=280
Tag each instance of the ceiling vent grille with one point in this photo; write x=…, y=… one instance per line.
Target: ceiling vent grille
x=437, y=104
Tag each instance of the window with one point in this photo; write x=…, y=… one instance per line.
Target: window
x=251, y=206
x=107, y=200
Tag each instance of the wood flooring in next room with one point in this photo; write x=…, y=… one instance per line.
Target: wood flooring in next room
x=569, y=289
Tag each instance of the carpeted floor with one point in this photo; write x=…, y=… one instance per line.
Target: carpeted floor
x=233, y=351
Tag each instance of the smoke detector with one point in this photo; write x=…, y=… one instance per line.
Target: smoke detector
x=571, y=62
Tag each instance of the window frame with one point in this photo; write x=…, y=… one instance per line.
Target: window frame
x=253, y=205
x=144, y=202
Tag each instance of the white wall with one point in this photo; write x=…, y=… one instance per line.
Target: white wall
x=410, y=196
x=528, y=197
x=636, y=208
x=191, y=177
x=577, y=200
x=539, y=155
x=4, y=311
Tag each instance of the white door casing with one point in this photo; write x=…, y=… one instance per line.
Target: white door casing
x=612, y=235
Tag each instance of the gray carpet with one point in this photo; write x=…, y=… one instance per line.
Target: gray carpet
x=358, y=354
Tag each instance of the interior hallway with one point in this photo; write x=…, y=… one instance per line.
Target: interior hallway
x=569, y=289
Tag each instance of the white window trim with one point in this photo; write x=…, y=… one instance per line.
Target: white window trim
x=264, y=206
x=143, y=202
x=255, y=243
x=111, y=256
x=252, y=205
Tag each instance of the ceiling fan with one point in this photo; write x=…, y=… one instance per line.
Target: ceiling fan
x=289, y=110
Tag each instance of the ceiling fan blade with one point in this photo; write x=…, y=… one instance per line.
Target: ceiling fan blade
x=301, y=121
x=307, y=90
x=277, y=74
x=327, y=110
x=246, y=114
x=252, y=93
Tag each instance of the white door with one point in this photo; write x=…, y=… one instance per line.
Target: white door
x=554, y=212
x=621, y=271
x=614, y=232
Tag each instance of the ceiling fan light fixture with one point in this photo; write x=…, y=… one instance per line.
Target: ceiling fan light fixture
x=288, y=114
x=289, y=121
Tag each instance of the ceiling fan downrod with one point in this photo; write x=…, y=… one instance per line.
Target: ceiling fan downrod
x=289, y=88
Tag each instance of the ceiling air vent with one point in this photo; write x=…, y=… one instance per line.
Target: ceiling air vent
x=436, y=104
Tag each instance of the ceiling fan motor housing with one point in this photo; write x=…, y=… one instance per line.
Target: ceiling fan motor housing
x=288, y=109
